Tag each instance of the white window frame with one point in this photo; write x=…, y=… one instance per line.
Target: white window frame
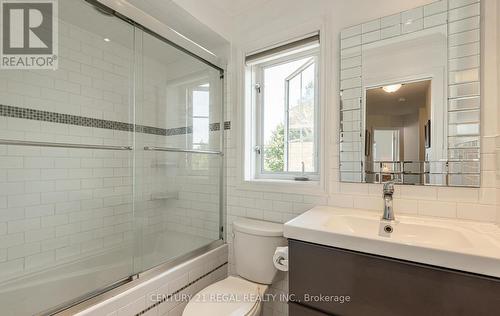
x=258, y=141
x=187, y=86
x=190, y=105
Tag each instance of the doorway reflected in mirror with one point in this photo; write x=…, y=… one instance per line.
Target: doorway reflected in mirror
x=398, y=118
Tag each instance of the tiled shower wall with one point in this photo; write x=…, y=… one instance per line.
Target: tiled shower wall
x=62, y=204
x=281, y=203
x=59, y=205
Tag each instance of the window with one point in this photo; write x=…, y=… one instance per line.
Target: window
x=199, y=105
x=285, y=109
x=200, y=100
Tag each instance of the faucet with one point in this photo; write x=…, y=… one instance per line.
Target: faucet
x=388, y=210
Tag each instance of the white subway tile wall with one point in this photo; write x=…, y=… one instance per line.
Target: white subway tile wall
x=64, y=204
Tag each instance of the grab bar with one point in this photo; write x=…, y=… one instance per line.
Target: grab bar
x=182, y=150
x=61, y=145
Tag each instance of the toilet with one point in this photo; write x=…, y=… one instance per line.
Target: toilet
x=254, y=245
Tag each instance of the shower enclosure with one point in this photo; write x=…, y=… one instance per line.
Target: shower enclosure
x=109, y=166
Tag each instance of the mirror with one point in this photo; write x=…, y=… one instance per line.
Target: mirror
x=410, y=97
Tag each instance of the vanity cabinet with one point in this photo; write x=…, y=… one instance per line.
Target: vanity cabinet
x=321, y=276
x=300, y=310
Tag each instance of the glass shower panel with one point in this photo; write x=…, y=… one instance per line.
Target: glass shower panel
x=178, y=109
x=66, y=213
x=178, y=96
x=182, y=213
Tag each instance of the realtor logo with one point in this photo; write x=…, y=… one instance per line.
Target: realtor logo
x=29, y=34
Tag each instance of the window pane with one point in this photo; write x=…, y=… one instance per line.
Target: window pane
x=301, y=145
x=294, y=92
x=200, y=131
x=274, y=113
x=201, y=101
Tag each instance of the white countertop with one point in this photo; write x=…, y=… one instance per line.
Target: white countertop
x=455, y=244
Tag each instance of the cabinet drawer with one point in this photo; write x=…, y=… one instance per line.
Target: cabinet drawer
x=384, y=286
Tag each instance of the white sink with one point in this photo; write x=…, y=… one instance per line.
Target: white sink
x=404, y=231
x=461, y=245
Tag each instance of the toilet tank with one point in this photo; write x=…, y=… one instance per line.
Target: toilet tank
x=254, y=244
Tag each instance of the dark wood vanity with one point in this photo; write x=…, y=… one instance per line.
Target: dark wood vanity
x=332, y=281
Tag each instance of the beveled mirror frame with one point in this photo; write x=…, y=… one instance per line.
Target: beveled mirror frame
x=462, y=19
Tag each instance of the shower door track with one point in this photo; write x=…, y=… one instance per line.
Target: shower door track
x=78, y=305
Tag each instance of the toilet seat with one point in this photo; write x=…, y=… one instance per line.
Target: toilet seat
x=232, y=296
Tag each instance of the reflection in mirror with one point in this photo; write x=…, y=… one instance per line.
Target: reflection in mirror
x=397, y=129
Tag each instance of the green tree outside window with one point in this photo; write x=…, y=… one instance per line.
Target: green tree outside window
x=274, y=157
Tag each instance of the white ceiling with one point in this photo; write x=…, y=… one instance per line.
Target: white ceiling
x=407, y=100
x=241, y=21
x=174, y=16
x=233, y=8
x=214, y=23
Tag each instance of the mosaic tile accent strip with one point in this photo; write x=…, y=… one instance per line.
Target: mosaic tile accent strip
x=214, y=127
x=54, y=117
x=179, y=290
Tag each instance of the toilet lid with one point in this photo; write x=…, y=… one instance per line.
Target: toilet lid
x=230, y=297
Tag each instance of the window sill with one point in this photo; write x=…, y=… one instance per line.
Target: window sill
x=313, y=187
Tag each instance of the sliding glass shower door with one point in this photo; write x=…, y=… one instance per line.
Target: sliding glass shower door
x=109, y=165
x=178, y=153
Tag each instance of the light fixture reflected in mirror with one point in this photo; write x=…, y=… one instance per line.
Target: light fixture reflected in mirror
x=392, y=88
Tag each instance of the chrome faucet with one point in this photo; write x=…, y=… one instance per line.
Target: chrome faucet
x=388, y=210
